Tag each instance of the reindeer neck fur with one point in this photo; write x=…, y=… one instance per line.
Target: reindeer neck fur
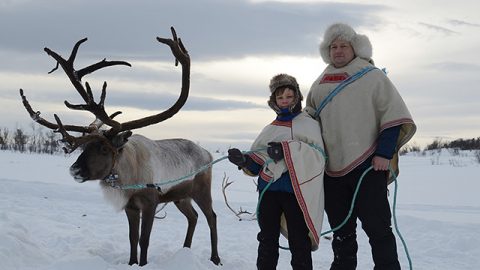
x=144, y=161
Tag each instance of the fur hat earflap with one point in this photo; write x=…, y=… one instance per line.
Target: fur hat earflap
x=360, y=43
x=281, y=81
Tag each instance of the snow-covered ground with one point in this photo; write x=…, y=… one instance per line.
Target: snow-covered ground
x=48, y=221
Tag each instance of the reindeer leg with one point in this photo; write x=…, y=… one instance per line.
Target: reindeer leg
x=148, y=214
x=203, y=198
x=212, y=224
x=185, y=206
x=206, y=207
x=133, y=216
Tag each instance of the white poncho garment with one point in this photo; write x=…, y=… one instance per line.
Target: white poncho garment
x=304, y=159
x=353, y=119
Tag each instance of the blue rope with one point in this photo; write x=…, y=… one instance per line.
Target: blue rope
x=171, y=181
x=352, y=205
x=395, y=220
x=260, y=197
x=157, y=185
x=341, y=86
x=202, y=168
x=354, y=198
x=394, y=212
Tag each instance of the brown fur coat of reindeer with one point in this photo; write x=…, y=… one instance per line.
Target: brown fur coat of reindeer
x=136, y=159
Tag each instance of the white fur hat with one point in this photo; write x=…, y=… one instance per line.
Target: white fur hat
x=360, y=43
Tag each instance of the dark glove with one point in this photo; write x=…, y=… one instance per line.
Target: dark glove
x=275, y=151
x=236, y=157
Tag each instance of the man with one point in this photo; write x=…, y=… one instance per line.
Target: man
x=364, y=122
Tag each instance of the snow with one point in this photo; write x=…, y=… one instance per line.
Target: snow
x=49, y=221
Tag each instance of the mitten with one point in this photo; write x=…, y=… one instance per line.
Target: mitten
x=275, y=151
x=236, y=157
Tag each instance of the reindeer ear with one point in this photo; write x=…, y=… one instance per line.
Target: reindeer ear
x=121, y=139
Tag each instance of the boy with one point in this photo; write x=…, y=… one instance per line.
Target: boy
x=288, y=159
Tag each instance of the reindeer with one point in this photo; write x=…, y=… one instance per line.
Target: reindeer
x=117, y=158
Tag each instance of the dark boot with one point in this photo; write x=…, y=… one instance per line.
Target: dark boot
x=384, y=252
x=344, y=252
x=267, y=257
x=301, y=258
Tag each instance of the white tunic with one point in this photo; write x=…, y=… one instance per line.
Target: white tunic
x=304, y=160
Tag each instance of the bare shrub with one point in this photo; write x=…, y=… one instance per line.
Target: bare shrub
x=477, y=155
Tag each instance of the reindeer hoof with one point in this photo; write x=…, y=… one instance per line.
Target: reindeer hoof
x=132, y=262
x=216, y=260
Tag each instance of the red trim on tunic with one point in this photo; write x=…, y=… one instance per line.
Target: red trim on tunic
x=282, y=123
x=397, y=122
x=354, y=164
x=297, y=191
x=334, y=78
x=311, y=179
x=369, y=151
x=265, y=176
x=257, y=159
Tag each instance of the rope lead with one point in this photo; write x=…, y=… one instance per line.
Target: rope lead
x=394, y=206
x=158, y=185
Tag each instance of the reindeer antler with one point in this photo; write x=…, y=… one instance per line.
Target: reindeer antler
x=76, y=77
x=181, y=55
x=241, y=214
x=98, y=109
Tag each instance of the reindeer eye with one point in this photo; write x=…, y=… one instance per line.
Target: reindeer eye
x=104, y=149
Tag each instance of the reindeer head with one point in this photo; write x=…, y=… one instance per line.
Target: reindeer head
x=98, y=157
x=101, y=147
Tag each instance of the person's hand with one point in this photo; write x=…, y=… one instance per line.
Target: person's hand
x=236, y=157
x=275, y=151
x=380, y=163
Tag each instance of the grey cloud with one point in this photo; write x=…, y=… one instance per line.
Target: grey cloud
x=455, y=67
x=138, y=100
x=126, y=30
x=439, y=29
x=209, y=28
x=463, y=23
x=163, y=101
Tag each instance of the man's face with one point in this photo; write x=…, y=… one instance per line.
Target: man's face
x=341, y=53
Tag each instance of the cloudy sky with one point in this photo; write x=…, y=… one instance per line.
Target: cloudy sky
x=429, y=48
